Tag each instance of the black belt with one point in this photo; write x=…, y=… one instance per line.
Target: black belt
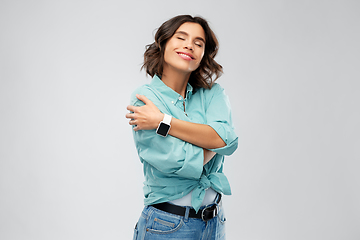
x=205, y=214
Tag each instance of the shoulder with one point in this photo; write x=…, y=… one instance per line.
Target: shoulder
x=210, y=91
x=151, y=93
x=145, y=90
x=215, y=97
x=215, y=90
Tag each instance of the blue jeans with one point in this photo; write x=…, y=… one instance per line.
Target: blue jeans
x=155, y=224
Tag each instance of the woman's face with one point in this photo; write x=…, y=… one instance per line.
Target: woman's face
x=185, y=49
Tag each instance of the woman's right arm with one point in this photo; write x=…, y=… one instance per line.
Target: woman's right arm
x=218, y=134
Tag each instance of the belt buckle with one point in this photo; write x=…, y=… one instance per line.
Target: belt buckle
x=214, y=211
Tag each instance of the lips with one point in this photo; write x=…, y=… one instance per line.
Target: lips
x=186, y=56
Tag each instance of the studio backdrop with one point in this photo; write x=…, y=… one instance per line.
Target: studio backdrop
x=68, y=163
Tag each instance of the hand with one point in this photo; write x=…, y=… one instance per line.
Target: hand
x=146, y=117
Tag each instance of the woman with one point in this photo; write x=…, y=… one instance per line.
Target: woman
x=182, y=130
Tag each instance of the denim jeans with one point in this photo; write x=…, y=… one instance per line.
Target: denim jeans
x=155, y=224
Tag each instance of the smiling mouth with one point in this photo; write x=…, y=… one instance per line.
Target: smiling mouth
x=185, y=56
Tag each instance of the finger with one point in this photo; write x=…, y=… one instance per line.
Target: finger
x=132, y=122
x=130, y=115
x=131, y=108
x=143, y=98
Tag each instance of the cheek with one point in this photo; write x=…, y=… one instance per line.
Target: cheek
x=167, y=56
x=166, y=51
x=200, y=58
x=202, y=55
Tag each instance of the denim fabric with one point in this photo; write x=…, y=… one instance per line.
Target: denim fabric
x=155, y=224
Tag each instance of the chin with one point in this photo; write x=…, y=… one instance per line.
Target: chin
x=186, y=68
x=182, y=66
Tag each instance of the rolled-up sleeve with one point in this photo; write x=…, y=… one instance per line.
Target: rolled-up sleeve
x=218, y=116
x=168, y=155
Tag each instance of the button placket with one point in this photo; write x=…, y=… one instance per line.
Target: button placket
x=184, y=108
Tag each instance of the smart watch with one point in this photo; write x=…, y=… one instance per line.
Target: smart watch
x=164, y=126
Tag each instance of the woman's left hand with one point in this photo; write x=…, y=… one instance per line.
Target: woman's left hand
x=146, y=117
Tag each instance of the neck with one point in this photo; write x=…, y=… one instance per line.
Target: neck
x=175, y=80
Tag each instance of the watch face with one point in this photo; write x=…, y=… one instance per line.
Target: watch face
x=163, y=129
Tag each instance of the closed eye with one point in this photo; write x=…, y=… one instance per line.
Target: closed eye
x=199, y=45
x=181, y=38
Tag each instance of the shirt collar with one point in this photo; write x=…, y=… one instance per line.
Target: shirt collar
x=169, y=92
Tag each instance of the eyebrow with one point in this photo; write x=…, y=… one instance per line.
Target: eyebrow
x=185, y=33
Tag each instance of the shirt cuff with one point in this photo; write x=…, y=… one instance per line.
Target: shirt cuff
x=228, y=135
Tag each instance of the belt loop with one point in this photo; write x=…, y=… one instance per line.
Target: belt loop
x=186, y=217
x=218, y=203
x=218, y=198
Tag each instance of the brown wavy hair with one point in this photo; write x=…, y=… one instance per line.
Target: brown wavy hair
x=203, y=75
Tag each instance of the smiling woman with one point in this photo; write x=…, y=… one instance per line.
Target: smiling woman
x=154, y=54
x=182, y=130
x=186, y=44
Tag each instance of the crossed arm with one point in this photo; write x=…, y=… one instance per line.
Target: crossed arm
x=148, y=117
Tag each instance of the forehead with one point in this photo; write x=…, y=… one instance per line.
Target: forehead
x=193, y=29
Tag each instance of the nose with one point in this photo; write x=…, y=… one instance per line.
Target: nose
x=189, y=46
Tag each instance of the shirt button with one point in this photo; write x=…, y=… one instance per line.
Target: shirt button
x=180, y=98
x=172, y=102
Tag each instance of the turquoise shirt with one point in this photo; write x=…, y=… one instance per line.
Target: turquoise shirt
x=173, y=167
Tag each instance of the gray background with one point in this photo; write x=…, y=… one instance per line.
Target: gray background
x=68, y=165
